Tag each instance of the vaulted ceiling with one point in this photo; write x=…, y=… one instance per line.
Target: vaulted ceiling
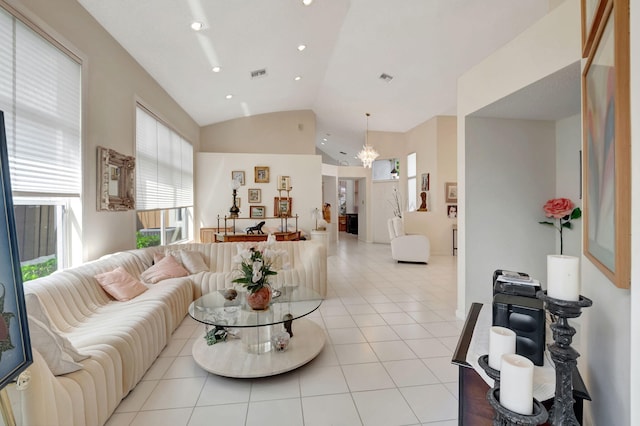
x=424, y=45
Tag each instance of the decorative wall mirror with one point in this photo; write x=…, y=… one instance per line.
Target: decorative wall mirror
x=116, y=180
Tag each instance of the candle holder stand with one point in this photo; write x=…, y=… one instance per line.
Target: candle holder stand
x=483, y=362
x=563, y=356
x=506, y=417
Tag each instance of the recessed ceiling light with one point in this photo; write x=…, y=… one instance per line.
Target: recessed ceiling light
x=216, y=69
x=301, y=47
x=307, y=2
x=229, y=96
x=297, y=78
x=321, y=143
x=324, y=139
x=197, y=26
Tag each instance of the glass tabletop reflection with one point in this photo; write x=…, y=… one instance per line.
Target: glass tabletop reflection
x=287, y=303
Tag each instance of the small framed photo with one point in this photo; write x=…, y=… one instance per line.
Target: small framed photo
x=282, y=206
x=284, y=183
x=452, y=211
x=255, y=195
x=424, y=184
x=261, y=174
x=238, y=175
x=451, y=192
x=257, y=212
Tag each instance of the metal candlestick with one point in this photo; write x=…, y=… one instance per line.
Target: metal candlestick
x=483, y=362
x=563, y=356
x=506, y=417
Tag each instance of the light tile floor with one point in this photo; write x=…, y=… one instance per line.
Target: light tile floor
x=391, y=332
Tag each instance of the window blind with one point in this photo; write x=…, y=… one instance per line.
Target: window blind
x=164, y=162
x=40, y=94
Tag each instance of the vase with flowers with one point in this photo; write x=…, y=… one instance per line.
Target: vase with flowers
x=564, y=211
x=256, y=265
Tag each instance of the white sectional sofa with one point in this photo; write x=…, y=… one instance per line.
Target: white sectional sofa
x=121, y=340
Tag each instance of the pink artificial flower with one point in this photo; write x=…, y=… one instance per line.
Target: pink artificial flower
x=558, y=208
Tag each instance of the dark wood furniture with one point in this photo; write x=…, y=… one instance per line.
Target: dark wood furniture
x=473, y=407
x=233, y=238
x=342, y=223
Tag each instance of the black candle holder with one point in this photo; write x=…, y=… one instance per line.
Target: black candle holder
x=563, y=355
x=483, y=362
x=234, y=210
x=506, y=417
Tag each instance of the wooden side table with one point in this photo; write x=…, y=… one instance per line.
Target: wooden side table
x=473, y=407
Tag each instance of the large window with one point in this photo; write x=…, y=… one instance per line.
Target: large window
x=164, y=182
x=411, y=182
x=40, y=95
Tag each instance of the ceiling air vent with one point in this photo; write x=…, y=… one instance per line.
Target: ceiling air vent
x=343, y=153
x=259, y=73
x=386, y=77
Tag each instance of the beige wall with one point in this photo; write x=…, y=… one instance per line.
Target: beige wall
x=213, y=195
x=287, y=132
x=112, y=82
x=434, y=142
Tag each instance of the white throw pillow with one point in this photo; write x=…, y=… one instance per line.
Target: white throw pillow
x=191, y=260
x=57, y=350
x=52, y=348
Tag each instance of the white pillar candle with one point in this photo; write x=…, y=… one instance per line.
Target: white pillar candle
x=516, y=384
x=563, y=277
x=501, y=341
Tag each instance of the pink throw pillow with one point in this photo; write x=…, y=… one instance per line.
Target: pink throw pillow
x=168, y=267
x=120, y=284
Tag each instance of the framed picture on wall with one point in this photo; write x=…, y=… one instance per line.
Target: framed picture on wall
x=284, y=183
x=257, y=212
x=424, y=182
x=451, y=192
x=607, y=147
x=15, y=345
x=282, y=206
x=452, y=211
x=255, y=195
x=238, y=175
x=261, y=174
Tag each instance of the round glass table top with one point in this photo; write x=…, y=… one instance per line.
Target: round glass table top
x=214, y=309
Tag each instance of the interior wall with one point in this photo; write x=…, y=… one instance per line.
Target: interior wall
x=435, y=145
x=284, y=132
x=511, y=176
x=568, y=181
x=112, y=82
x=213, y=195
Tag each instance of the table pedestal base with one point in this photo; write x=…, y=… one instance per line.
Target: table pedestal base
x=231, y=358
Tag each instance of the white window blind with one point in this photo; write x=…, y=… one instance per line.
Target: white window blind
x=164, y=162
x=40, y=94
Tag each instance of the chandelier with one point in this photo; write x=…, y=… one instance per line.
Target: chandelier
x=368, y=154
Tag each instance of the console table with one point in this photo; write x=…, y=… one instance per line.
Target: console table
x=473, y=407
x=233, y=238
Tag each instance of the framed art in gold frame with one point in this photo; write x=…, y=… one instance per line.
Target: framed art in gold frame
x=261, y=174
x=607, y=147
x=255, y=195
x=591, y=17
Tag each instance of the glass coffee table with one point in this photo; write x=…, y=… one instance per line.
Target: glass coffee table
x=253, y=354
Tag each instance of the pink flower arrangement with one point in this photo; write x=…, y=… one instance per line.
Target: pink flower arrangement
x=564, y=211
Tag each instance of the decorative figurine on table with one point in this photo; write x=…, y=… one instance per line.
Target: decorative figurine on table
x=257, y=228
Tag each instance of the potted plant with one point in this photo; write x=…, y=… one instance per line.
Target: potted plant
x=256, y=265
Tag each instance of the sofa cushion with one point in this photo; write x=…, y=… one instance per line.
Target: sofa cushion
x=120, y=284
x=191, y=260
x=53, y=348
x=167, y=267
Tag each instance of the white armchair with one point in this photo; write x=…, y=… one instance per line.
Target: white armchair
x=407, y=248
